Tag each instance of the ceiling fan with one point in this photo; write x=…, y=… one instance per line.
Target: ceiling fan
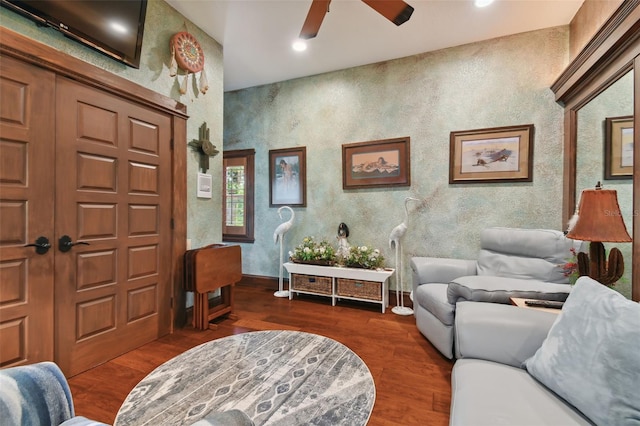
x=397, y=11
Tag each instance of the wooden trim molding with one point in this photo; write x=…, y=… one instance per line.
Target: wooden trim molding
x=570, y=158
x=31, y=51
x=635, y=253
x=269, y=283
x=179, y=218
x=248, y=236
x=621, y=30
x=612, y=52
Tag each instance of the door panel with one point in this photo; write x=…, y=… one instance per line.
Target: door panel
x=114, y=192
x=26, y=212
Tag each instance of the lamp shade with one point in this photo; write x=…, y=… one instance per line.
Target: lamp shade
x=599, y=218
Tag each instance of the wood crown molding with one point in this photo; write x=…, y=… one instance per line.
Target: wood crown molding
x=34, y=52
x=620, y=31
x=238, y=153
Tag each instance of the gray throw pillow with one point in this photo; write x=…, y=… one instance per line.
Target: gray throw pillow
x=591, y=356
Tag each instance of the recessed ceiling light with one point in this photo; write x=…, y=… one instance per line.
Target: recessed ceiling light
x=483, y=3
x=299, y=45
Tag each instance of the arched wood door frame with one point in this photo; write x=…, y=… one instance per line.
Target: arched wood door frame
x=32, y=52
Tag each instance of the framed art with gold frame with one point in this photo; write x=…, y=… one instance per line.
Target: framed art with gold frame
x=499, y=154
x=618, y=148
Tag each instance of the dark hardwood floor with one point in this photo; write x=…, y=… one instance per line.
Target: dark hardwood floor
x=412, y=378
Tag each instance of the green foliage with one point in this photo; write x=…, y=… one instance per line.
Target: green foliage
x=311, y=250
x=363, y=257
x=235, y=180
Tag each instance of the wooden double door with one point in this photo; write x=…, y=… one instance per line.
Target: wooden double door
x=85, y=221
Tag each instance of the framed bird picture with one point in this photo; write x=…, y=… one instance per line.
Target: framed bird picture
x=288, y=177
x=498, y=154
x=373, y=164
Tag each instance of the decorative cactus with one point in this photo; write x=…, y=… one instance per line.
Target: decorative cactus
x=583, y=264
x=597, y=267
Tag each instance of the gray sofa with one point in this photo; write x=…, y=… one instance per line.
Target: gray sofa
x=519, y=366
x=512, y=262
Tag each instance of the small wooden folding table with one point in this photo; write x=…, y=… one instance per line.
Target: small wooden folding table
x=207, y=269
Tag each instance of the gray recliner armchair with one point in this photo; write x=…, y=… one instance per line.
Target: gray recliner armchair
x=512, y=262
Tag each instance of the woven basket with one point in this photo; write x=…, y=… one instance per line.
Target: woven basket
x=311, y=283
x=370, y=290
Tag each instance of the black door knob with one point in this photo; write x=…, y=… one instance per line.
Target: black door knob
x=65, y=243
x=42, y=245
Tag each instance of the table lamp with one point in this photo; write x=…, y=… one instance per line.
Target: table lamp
x=598, y=219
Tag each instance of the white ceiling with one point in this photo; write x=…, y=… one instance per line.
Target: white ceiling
x=256, y=35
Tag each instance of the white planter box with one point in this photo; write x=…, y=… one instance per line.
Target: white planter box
x=368, y=277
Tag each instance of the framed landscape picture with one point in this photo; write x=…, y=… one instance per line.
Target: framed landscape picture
x=618, y=148
x=288, y=177
x=499, y=154
x=376, y=164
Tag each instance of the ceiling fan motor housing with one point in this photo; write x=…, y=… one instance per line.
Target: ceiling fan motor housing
x=396, y=11
x=404, y=15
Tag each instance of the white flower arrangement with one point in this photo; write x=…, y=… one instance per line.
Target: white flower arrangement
x=313, y=251
x=363, y=257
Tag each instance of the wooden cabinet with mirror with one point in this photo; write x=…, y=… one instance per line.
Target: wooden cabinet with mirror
x=604, y=82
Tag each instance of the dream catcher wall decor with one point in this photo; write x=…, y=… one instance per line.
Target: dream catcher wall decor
x=187, y=54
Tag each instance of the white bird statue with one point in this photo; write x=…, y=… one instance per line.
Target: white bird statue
x=278, y=235
x=395, y=239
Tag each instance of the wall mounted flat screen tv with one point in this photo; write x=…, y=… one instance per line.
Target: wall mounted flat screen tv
x=113, y=27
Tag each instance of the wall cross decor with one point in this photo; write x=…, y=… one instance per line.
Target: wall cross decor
x=204, y=147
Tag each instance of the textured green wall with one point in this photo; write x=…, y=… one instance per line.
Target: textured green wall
x=616, y=101
x=500, y=82
x=162, y=21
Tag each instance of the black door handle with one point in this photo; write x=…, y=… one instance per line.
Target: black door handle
x=65, y=243
x=42, y=245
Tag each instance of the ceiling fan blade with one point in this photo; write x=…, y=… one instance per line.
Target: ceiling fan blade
x=397, y=11
x=311, y=25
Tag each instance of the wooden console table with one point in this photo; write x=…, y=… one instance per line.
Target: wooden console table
x=347, y=276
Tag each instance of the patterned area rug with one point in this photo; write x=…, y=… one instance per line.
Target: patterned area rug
x=275, y=377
